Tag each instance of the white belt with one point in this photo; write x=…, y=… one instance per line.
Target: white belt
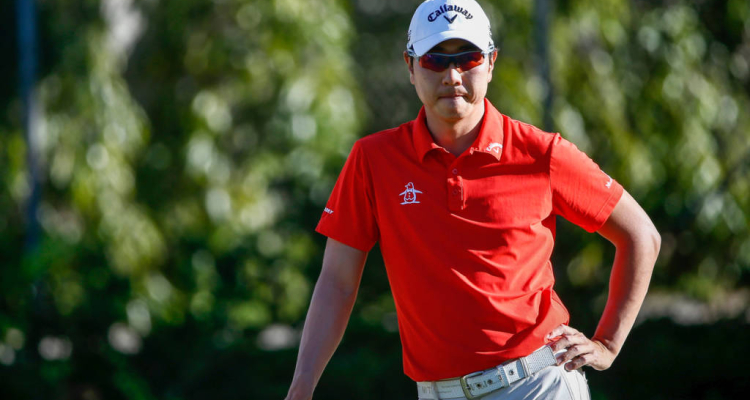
x=481, y=383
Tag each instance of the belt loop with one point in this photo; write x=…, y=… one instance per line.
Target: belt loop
x=435, y=390
x=503, y=375
x=525, y=366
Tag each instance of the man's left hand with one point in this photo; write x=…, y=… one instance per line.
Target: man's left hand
x=579, y=349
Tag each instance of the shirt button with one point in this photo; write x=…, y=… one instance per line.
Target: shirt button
x=455, y=192
x=455, y=171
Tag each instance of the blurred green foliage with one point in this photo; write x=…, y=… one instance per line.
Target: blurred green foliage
x=189, y=147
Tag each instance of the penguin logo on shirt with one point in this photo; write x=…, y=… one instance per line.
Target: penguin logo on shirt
x=410, y=194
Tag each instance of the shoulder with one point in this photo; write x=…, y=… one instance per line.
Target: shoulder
x=384, y=142
x=382, y=138
x=527, y=139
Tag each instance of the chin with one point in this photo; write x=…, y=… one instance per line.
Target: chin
x=455, y=110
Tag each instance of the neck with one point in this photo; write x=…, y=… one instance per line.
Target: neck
x=455, y=135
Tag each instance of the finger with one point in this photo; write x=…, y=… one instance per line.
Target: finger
x=576, y=363
x=567, y=340
x=561, y=330
x=562, y=343
x=574, y=351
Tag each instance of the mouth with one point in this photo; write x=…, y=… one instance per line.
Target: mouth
x=451, y=95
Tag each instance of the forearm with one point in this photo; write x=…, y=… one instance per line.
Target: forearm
x=629, y=280
x=326, y=321
x=637, y=245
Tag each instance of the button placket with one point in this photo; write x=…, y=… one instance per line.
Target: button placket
x=455, y=190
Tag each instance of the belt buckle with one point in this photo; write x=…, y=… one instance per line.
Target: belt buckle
x=465, y=386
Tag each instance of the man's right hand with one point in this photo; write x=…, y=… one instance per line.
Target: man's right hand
x=329, y=312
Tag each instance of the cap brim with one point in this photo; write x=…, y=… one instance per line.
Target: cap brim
x=424, y=45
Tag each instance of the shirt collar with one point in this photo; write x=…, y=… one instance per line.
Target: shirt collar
x=489, y=140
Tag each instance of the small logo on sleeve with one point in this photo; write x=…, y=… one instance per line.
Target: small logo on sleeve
x=328, y=211
x=609, y=183
x=410, y=194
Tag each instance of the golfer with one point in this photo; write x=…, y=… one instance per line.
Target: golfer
x=463, y=202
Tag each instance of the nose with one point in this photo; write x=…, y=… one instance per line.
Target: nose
x=451, y=76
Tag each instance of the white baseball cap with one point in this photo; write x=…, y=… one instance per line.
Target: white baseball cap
x=436, y=21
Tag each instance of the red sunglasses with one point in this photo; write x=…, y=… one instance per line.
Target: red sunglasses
x=439, y=62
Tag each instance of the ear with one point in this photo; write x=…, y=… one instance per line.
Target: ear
x=409, y=65
x=493, y=57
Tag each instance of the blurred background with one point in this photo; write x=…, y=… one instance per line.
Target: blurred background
x=163, y=164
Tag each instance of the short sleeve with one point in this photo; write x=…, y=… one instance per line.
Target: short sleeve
x=349, y=215
x=581, y=192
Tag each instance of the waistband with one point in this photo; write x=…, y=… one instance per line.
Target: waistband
x=481, y=383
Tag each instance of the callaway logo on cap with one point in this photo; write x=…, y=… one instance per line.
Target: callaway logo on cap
x=436, y=21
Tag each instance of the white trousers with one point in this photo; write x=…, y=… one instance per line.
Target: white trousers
x=551, y=383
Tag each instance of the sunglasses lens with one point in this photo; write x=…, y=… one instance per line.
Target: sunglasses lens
x=434, y=62
x=462, y=61
x=467, y=61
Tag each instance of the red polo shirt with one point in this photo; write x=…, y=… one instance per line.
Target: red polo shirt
x=467, y=240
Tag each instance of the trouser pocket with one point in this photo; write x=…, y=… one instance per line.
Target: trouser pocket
x=579, y=387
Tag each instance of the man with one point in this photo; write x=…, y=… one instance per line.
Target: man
x=463, y=201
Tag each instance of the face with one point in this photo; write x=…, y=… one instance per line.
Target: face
x=452, y=95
